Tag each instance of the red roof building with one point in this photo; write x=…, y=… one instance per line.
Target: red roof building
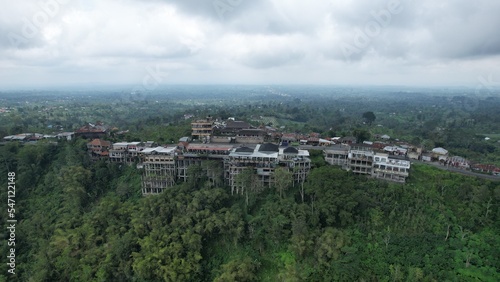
x=90, y=130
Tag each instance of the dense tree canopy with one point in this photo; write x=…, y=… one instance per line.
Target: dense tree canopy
x=82, y=221
x=87, y=221
x=369, y=117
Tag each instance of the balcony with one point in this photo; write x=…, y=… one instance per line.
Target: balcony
x=393, y=172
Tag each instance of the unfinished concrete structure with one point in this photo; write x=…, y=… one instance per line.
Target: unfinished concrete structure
x=389, y=167
x=124, y=152
x=195, y=154
x=364, y=159
x=98, y=149
x=360, y=159
x=264, y=159
x=297, y=162
x=337, y=155
x=160, y=169
x=128, y=152
x=202, y=129
x=228, y=131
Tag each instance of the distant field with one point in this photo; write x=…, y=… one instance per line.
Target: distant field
x=277, y=122
x=273, y=120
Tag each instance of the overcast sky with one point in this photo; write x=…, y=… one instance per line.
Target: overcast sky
x=340, y=42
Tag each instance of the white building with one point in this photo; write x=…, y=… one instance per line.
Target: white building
x=390, y=167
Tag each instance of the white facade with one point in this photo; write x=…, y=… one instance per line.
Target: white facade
x=391, y=168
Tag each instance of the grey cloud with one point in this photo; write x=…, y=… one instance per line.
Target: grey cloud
x=208, y=8
x=451, y=30
x=254, y=35
x=264, y=60
x=14, y=36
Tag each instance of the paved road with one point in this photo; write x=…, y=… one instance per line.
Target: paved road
x=452, y=169
x=465, y=172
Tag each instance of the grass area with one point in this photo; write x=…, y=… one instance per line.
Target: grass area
x=277, y=122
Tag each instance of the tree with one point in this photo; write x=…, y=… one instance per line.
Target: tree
x=248, y=181
x=239, y=270
x=361, y=135
x=330, y=244
x=369, y=117
x=282, y=180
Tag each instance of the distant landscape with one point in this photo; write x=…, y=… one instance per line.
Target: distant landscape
x=83, y=217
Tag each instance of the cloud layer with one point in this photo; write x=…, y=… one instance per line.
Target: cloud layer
x=61, y=42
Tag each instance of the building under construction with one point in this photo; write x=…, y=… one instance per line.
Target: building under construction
x=365, y=159
x=164, y=167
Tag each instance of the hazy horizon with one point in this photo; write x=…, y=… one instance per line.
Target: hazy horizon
x=131, y=88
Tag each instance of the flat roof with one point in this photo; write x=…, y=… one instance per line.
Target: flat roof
x=300, y=153
x=126, y=143
x=209, y=147
x=255, y=153
x=337, y=147
x=160, y=150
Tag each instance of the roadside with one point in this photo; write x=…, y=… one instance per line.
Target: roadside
x=462, y=171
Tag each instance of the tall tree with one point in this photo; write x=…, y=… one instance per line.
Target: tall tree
x=282, y=180
x=369, y=117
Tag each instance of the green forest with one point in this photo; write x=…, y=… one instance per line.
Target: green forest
x=87, y=221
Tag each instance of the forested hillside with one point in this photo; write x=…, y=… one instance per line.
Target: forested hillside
x=84, y=221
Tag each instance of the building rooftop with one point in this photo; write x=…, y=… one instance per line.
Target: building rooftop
x=440, y=151
x=290, y=150
x=243, y=150
x=237, y=125
x=251, y=132
x=209, y=147
x=268, y=147
x=336, y=148
x=92, y=128
x=293, y=151
x=159, y=150
x=99, y=142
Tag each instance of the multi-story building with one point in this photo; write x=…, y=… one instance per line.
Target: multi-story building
x=194, y=154
x=90, y=130
x=389, y=167
x=202, y=129
x=125, y=152
x=264, y=159
x=297, y=162
x=163, y=167
x=362, y=159
x=337, y=155
x=160, y=169
x=98, y=149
